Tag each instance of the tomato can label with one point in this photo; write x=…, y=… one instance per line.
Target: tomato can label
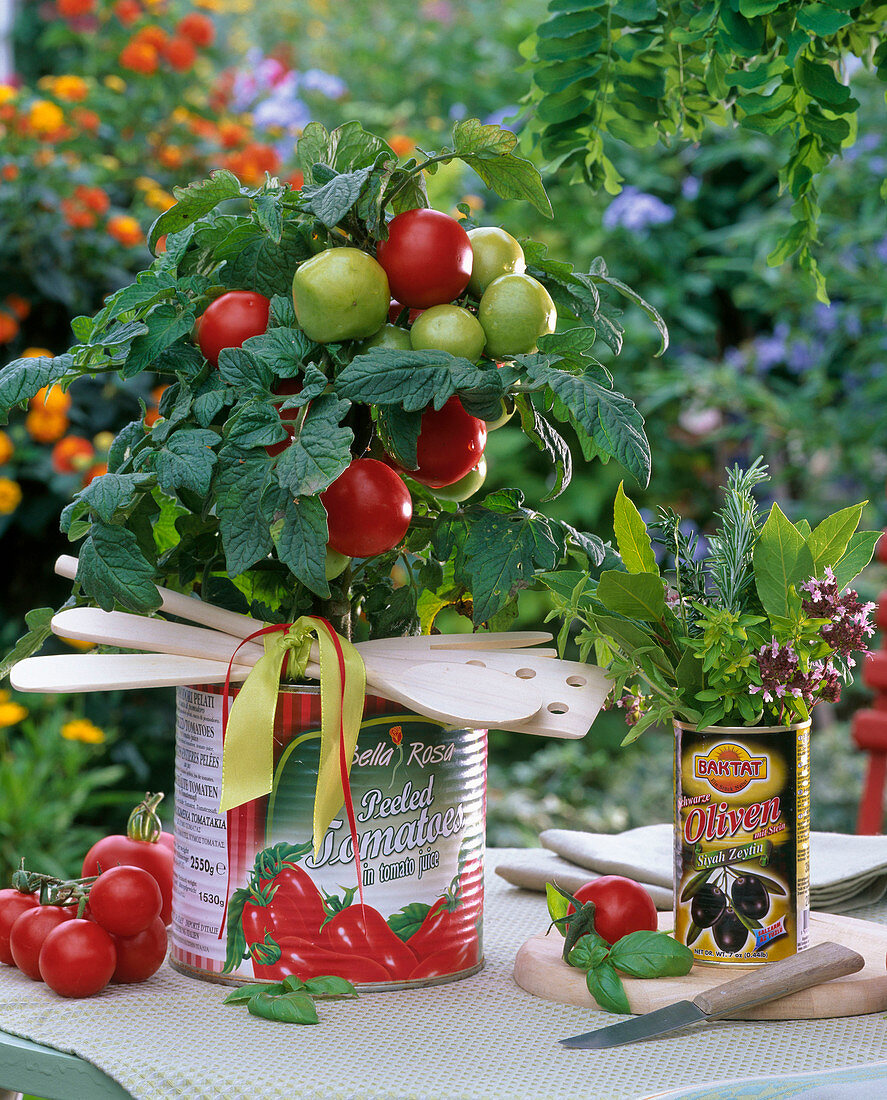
x=742, y=843
x=253, y=901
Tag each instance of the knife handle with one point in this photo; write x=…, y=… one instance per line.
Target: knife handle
x=809, y=967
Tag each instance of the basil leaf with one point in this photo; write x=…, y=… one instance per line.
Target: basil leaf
x=589, y=952
x=605, y=985
x=329, y=985
x=285, y=1008
x=650, y=955
x=557, y=905
x=245, y=993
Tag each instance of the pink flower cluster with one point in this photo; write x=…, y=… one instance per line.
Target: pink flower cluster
x=849, y=620
x=781, y=676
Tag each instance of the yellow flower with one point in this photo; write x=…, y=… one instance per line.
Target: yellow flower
x=180, y=114
x=10, y=713
x=77, y=643
x=115, y=83
x=103, y=441
x=46, y=425
x=7, y=92
x=10, y=496
x=473, y=202
x=7, y=449
x=111, y=163
x=71, y=87
x=145, y=183
x=45, y=117
x=36, y=353
x=159, y=199
x=81, y=729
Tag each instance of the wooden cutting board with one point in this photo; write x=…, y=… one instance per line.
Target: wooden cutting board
x=540, y=970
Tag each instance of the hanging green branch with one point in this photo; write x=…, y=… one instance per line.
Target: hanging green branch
x=641, y=72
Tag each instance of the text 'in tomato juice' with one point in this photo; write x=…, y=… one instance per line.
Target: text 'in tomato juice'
x=418, y=792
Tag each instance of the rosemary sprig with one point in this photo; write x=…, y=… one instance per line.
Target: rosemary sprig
x=730, y=569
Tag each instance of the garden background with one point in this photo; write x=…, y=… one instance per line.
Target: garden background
x=106, y=107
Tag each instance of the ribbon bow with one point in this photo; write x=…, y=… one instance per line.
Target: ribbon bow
x=248, y=754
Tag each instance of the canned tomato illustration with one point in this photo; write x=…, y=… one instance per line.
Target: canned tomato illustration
x=252, y=901
x=742, y=843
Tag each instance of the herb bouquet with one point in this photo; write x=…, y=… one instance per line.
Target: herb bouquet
x=755, y=629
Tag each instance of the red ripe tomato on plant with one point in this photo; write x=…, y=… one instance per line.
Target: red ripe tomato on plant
x=229, y=320
x=368, y=509
x=139, y=847
x=140, y=956
x=78, y=958
x=285, y=387
x=125, y=900
x=621, y=906
x=427, y=258
x=451, y=444
x=12, y=904
x=30, y=930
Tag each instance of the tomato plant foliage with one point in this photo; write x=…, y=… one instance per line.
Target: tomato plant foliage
x=207, y=498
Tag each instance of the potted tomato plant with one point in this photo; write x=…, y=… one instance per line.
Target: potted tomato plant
x=335, y=358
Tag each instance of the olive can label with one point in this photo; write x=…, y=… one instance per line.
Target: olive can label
x=742, y=843
x=253, y=901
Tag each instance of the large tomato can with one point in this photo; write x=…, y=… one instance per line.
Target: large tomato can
x=742, y=842
x=253, y=902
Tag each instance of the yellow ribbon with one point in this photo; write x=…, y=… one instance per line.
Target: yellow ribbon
x=248, y=755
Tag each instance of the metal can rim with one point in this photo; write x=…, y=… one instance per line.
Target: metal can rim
x=738, y=730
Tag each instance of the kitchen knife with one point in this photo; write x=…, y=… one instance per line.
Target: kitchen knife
x=766, y=983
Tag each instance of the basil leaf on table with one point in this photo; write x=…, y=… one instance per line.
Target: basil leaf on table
x=286, y=1008
x=329, y=985
x=245, y=993
x=605, y=985
x=650, y=955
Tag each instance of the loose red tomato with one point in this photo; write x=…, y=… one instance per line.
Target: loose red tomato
x=368, y=509
x=308, y=960
x=12, y=904
x=78, y=958
x=427, y=258
x=451, y=444
x=621, y=906
x=125, y=900
x=153, y=857
x=362, y=930
x=296, y=905
x=140, y=956
x=30, y=930
x=229, y=320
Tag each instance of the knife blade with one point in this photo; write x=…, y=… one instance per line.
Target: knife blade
x=766, y=983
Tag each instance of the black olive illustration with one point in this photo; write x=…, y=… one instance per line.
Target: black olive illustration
x=750, y=896
x=729, y=932
x=708, y=905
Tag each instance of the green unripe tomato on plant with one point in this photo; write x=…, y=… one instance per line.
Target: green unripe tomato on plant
x=449, y=328
x=340, y=294
x=466, y=486
x=508, y=406
x=388, y=336
x=515, y=311
x=495, y=253
x=335, y=563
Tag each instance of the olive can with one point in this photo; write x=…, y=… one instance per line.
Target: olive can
x=742, y=842
x=253, y=901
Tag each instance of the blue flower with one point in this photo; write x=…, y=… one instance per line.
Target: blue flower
x=316, y=80
x=497, y=118
x=690, y=187
x=282, y=112
x=636, y=210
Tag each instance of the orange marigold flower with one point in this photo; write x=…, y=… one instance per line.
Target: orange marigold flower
x=153, y=34
x=7, y=448
x=203, y=127
x=257, y=159
x=77, y=215
x=127, y=11
x=71, y=455
x=295, y=180
x=46, y=426
x=51, y=398
x=71, y=87
x=81, y=729
x=71, y=8
x=40, y=353
x=170, y=156
x=125, y=229
x=94, y=471
x=10, y=495
x=160, y=246
x=232, y=134
x=20, y=306
x=8, y=326
x=199, y=28
x=401, y=144
x=180, y=54
x=43, y=157
x=158, y=199
x=86, y=119
x=93, y=198
x=140, y=57
x=9, y=172
x=45, y=117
